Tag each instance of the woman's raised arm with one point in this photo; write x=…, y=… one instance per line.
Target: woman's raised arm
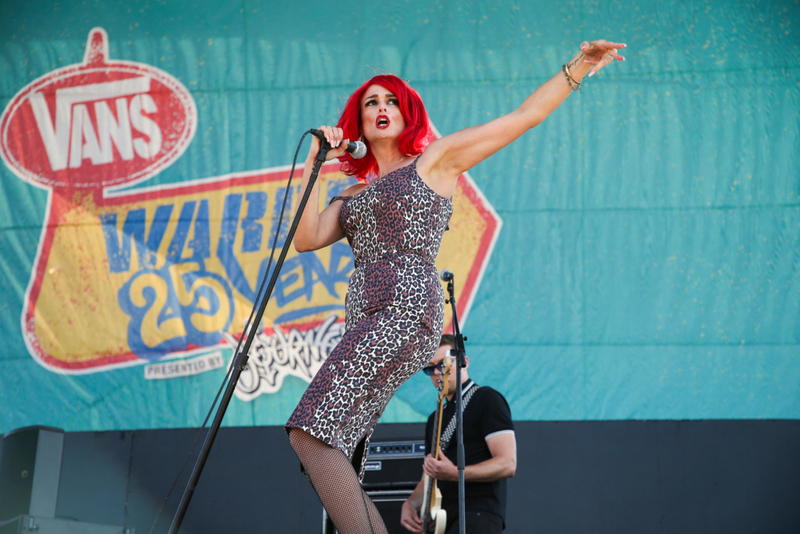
x=446, y=158
x=317, y=229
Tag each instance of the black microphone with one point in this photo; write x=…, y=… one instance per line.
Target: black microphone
x=446, y=275
x=357, y=149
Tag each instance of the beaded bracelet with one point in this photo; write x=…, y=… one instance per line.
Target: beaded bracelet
x=573, y=84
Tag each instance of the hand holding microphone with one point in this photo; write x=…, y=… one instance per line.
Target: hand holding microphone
x=356, y=149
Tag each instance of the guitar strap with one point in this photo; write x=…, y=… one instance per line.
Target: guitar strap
x=447, y=435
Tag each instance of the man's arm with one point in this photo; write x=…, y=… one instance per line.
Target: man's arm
x=502, y=464
x=409, y=517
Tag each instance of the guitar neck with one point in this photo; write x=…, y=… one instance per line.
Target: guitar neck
x=438, y=425
x=429, y=485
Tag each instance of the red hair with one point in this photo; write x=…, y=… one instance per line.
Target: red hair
x=414, y=139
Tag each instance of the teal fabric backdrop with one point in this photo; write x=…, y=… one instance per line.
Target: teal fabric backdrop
x=648, y=265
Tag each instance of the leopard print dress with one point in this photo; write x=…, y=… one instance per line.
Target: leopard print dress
x=394, y=310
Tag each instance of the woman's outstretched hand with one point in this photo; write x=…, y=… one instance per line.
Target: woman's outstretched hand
x=600, y=53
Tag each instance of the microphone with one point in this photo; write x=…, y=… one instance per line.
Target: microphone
x=357, y=149
x=446, y=275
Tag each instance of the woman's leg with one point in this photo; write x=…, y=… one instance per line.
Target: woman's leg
x=336, y=483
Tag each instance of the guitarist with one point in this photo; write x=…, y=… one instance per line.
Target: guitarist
x=490, y=452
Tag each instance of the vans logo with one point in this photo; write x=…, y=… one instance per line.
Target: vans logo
x=98, y=124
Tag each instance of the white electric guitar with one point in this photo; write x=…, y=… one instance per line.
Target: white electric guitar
x=434, y=517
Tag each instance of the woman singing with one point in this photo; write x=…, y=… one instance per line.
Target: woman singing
x=395, y=302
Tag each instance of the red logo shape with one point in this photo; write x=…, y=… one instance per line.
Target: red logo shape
x=97, y=124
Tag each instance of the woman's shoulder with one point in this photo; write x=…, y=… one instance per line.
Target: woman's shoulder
x=350, y=192
x=354, y=189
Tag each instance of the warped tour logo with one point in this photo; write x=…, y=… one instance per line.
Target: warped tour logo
x=153, y=274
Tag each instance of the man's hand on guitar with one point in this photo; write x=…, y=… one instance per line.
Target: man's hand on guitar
x=409, y=518
x=441, y=469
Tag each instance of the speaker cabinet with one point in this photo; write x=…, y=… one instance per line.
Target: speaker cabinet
x=30, y=469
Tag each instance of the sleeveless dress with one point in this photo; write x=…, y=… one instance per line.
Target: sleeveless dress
x=394, y=310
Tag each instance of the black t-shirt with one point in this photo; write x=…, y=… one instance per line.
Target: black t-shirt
x=487, y=413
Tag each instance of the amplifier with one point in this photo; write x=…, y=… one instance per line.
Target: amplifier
x=394, y=464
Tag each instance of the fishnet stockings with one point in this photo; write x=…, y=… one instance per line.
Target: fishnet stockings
x=335, y=480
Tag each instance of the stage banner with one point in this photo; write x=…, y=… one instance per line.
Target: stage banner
x=165, y=278
x=634, y=256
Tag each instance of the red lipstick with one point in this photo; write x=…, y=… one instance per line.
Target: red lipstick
x=382, y=122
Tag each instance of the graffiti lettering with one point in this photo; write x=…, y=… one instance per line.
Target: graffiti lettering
x=174, y=307
x=174, y=302
x=293, y=353
x=119, y=248
x=308, y=268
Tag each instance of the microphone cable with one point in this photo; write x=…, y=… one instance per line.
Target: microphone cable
x=234, y=361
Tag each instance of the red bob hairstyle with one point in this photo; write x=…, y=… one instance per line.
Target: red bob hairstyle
x=417, y=135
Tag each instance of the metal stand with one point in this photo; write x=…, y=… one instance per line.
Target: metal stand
x=327, y=523
x=460, y=353
x=242, y=357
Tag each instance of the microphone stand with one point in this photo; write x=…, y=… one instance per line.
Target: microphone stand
x=241, y=358
x=460, y=353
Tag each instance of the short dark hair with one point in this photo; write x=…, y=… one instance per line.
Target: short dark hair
x=448, y=339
